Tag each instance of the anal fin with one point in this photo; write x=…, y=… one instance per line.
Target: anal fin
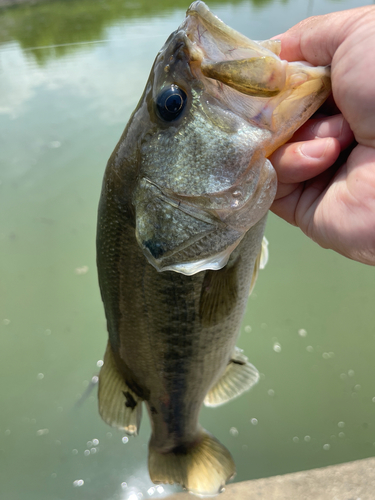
x=239, y=376
x=119, y=406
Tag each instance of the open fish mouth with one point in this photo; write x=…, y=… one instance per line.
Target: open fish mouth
x=252, y=68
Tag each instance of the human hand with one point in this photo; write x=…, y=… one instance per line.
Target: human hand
x=332, y=199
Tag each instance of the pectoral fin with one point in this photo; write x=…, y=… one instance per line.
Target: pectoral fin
x=260, y=262
x=256, y=76
x=119, y=406
x=219, y=294
x=239, y=376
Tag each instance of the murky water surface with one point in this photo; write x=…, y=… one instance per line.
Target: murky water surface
x=71, y=72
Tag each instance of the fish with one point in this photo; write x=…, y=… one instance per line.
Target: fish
x=180, y=236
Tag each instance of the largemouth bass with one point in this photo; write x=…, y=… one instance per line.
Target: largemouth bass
x=180, y=228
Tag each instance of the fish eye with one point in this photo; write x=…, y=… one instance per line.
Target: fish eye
x=170, y=103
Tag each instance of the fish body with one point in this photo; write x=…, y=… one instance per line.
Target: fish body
x=180, y=228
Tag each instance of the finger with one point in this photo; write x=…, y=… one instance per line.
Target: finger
x=318, y=128
x=285, y=207
x=314, y=40
x=299, y=161
x=297, y=207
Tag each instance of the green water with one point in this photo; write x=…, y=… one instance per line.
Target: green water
x=71, y=72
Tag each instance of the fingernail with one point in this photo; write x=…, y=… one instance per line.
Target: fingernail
x=314, y=149
x=329, y=128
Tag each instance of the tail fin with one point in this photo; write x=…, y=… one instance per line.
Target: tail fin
x=203, y=468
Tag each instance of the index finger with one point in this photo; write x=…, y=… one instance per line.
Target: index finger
x=317, y=38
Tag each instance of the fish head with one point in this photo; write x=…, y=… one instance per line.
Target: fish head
x=216, y=105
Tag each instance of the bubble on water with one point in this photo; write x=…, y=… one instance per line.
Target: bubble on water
x=99, y=363
x=341, y=424
x=47, y=332
x=95, y=379
x=254, y=421
x=95, y=442
x=351, y=373
x=302, y=332
x=326, y=447
x=271, y=392
x=233, y=431
x=93, y=451
x=109, y=435
x=78, y=482
x=276, y=347
x=151, y=491
x=81, y=270
x=341, y=434
x=307, y=439
x=7, y=432
x=75, y=451
x=42, y=432
x=89, y=444
x=86, y=453
x=343, y=376
x=40, y=376
x=125, y=439
x=247, y=328
x=309, y=348
x=325, y=355
x=124, y=485
x=160, y=489
x=6, y=321
x=357, y=387
x=373, y=399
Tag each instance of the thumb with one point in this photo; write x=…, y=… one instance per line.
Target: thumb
x=317, y=38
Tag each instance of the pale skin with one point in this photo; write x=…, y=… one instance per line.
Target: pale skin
x=331, y=198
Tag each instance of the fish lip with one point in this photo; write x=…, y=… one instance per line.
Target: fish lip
x=200, y=9
x=215, y=25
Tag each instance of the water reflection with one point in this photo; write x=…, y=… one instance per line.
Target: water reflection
x=62, y=26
